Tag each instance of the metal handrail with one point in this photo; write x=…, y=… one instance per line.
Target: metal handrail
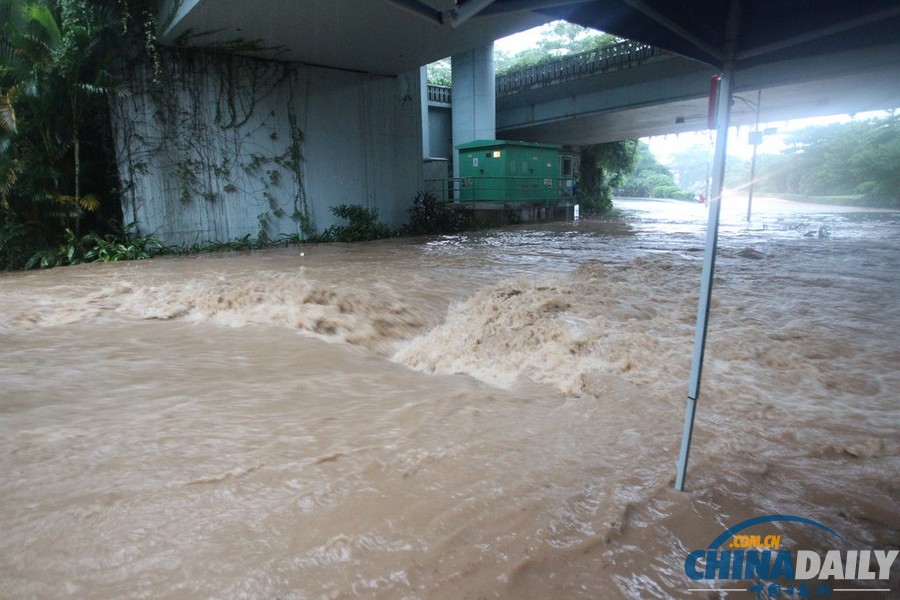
x=621, y=55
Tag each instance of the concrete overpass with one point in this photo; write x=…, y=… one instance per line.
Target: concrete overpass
x=644, y=92
x=661, y=94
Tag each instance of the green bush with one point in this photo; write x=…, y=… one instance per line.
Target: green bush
x=429, y=215
x=595, y=202
x=362, y=225
x=92, y=247
x=672, y=192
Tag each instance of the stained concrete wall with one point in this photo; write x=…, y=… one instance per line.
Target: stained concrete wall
x=227, y=146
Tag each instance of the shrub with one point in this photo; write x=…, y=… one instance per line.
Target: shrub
x=429, y=215
x=672, y=192
x=92, y=247
x=595, y=202
x=362, y=225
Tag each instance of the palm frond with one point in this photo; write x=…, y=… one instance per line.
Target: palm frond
x=9, y=180
x=89, y=202
x=7, y=113
x=41, y=15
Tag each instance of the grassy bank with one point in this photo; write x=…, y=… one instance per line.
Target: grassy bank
x=848, y=200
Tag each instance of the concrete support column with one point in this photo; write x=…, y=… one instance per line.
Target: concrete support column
x=474, y=98
x=426, y=124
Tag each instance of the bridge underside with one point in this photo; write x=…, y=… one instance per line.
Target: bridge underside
x=671, y=97
x=662, y=97
x=369, y=36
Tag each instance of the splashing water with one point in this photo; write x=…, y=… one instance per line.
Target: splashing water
x=494, y=414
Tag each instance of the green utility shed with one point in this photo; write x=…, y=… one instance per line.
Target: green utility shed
x=503, y=171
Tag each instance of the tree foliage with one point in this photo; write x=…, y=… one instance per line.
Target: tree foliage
x=858, y=158
x=57, y=61
x=431, y=215
x=440, y=72
x=857, y=161
x=557, y=39
x=603, y=168
x=651, y=179
x=361, y=225
x=692, y=167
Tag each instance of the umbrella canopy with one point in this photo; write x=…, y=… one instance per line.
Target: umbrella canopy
x=741, y=32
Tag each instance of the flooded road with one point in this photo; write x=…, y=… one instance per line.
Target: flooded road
x=488, y=415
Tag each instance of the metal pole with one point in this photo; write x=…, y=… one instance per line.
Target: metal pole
x=753, y=160
x=723, y=111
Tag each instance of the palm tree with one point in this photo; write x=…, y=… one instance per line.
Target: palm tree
x=54, y=66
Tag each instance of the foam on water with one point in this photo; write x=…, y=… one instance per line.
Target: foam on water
x=630, y=320
x=495, y=414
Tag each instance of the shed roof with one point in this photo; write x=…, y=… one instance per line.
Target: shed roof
x=474, y=145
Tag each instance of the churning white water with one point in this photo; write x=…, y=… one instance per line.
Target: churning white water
x=488, y=415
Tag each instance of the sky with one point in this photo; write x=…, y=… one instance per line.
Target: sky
x=663, y=147
x=523, y=40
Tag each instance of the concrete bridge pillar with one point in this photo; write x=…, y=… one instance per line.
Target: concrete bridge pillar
x=426, y=128
x=474, y=98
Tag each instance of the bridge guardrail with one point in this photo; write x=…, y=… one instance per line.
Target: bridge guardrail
x=439, y=93
x=623, y=54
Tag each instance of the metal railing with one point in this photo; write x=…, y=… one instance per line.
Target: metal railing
x=502, y=189
x=618, y=56
x=439, y=93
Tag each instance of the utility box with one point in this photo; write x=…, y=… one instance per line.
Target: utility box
x=502, y=171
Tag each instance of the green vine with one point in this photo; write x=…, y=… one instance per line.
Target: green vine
x=229, y=148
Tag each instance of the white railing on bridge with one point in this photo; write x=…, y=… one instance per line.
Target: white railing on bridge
x=439, y=94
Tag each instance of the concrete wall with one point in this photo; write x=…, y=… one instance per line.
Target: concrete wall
x=474, y=97
x=440, y=144
x=227, y=146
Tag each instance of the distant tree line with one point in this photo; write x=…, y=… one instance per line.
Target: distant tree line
x=856, y=163
x=625, y=169
x=860, y=159
x=650, y=179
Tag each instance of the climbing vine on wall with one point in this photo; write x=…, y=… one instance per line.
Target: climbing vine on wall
x=216, y=129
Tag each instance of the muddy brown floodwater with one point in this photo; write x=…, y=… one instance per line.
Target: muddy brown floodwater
x=489, y=415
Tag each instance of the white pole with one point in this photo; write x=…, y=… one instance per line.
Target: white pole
x=723, y=112
x=756, y=140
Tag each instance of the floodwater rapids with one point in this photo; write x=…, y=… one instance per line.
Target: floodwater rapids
x=488, y=415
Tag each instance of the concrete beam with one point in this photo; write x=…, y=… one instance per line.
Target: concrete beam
x=369, y=36
x=669, y=95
